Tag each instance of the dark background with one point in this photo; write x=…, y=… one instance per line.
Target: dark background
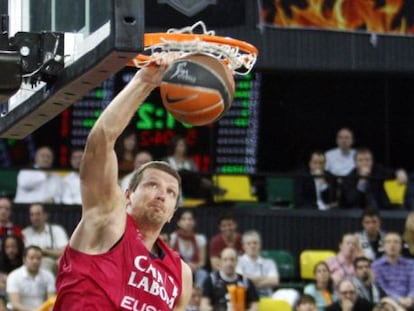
x=302, y=111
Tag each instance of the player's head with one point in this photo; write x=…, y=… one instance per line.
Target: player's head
x=159, y=165
x=154, y=192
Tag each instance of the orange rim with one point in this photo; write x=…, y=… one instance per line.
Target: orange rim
x=159, y=37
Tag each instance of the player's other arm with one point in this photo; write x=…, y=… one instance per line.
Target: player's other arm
x=187, y=288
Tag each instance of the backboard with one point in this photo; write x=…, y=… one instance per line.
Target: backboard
x=99, y=37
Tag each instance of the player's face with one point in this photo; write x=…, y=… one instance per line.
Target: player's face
x=155, y=198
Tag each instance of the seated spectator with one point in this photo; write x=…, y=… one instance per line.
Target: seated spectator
x=39, y=184
x=348, y=299
x=29, y=286
x=322, y=290
x=11, y=257
x=394, y=273
x=126, y=148
x=220, y=289
x=193, y=184
x=364, y=281
x=408, y=236
x=340, y=161
x=141, y=158
x=71, y=193
x=364, y=186
x=50, y=238
x=227, y=237
x=191, y=246
x=387, y=304
x=314, y=186
x=371, y=238
x=342, y=265
x=7, y=227
x=261, y=271
x=306, y=303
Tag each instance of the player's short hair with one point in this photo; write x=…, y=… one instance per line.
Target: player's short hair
x=159, y=165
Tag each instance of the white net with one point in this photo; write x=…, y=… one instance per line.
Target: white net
x=239, y=61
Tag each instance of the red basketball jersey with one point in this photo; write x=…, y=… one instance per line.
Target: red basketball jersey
x=126, y=277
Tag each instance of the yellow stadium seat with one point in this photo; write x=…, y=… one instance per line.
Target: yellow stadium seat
x=309, y=258
x=270, y=304
x=47, y=305
x=395, y=191
x=238, y=188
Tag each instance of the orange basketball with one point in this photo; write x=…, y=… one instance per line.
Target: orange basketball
x=197, y=89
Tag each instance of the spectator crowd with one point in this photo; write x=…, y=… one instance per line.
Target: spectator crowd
x=373, y=268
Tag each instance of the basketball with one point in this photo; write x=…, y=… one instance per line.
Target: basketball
x=197, y=89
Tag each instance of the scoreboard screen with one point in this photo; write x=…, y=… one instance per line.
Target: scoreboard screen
x=226, y=146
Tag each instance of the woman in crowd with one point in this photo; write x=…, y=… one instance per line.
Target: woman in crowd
x=191, y=246
x=193, y=184
x=11, y=257
x=322, y=289
x=342, y=265
x=126, y=149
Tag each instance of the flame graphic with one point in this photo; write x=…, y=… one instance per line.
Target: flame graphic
x=367, y=15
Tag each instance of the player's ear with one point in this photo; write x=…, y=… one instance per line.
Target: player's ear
x=128, y=193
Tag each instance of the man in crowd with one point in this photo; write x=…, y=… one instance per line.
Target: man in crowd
x=227, y=237
x=39, y=184
x=221, y=291
x=29, y=286
x=71, y=183
x=348, y=299
x=371, y=237
x=50, y=238
x=315, y=188
x=340, y=160
x=395, y=273
x=365, y=282
x=363, y=187
x=261, y=271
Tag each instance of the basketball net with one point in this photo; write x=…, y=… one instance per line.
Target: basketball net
x=239, y=56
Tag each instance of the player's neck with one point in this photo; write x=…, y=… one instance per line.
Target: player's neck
x=149, y=236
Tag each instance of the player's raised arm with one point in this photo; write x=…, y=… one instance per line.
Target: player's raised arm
x=99, y=168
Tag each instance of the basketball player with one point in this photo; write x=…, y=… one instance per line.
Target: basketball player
x=115, y=260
